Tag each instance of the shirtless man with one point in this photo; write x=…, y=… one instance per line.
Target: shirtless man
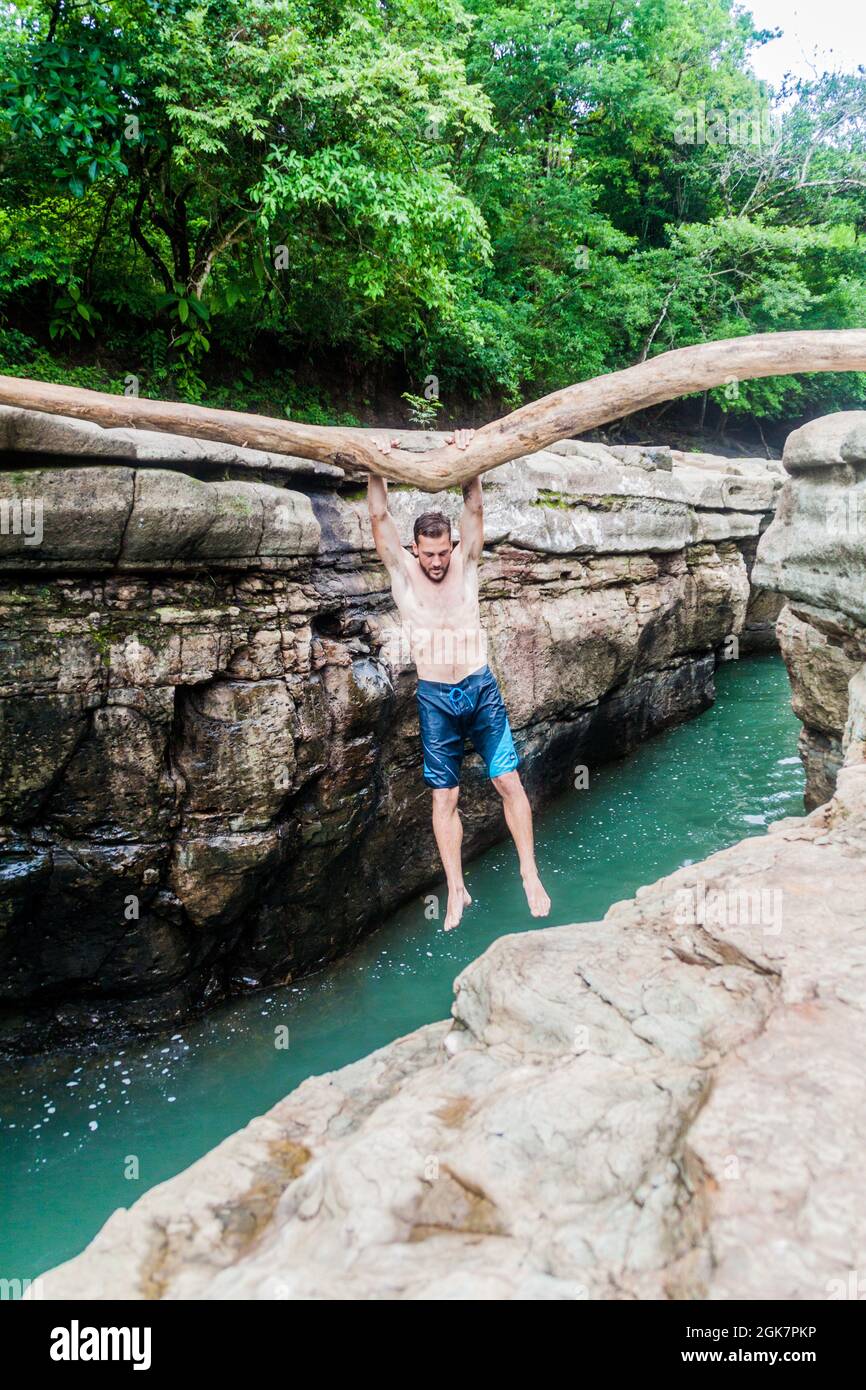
x=436, y=592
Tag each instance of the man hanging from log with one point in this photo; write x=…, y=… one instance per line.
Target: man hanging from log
x=436, y=592
x=564, y=414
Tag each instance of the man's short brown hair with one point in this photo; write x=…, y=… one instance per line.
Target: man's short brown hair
x=432, y=524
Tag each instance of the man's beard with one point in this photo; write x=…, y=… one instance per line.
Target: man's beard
x=437, y=578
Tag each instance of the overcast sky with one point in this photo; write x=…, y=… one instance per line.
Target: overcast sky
x=826, y=35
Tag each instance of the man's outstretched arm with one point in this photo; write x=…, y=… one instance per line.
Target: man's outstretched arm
x=385, y=534
x=472, y=521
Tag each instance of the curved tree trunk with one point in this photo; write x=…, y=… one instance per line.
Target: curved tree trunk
x=561, y=415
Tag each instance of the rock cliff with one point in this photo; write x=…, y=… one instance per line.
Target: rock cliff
x=815, y=554
x=209, y=739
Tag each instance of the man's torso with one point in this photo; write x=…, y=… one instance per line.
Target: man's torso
x=446, y=639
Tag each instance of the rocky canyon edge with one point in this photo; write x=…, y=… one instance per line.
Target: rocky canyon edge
x=640, y=1107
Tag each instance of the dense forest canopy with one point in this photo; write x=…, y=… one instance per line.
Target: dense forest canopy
x=494, y=199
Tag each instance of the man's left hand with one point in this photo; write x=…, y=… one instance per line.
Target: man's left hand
x=461, y=438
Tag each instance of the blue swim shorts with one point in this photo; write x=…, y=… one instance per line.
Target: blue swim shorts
x=448, y=714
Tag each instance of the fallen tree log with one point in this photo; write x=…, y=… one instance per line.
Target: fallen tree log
x=561, y=415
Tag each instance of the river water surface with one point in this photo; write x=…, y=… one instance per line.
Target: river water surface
x=72, y=1129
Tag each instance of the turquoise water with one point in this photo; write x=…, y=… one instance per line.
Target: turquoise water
x=71, y=1131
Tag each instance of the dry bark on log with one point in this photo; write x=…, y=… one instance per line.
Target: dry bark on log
x=561, y=415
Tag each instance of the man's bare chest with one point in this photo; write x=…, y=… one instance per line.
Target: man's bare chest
x=454, y=600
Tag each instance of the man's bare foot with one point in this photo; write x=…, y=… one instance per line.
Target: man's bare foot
x=454, y=911
x=461, y=438
x=539, y=902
